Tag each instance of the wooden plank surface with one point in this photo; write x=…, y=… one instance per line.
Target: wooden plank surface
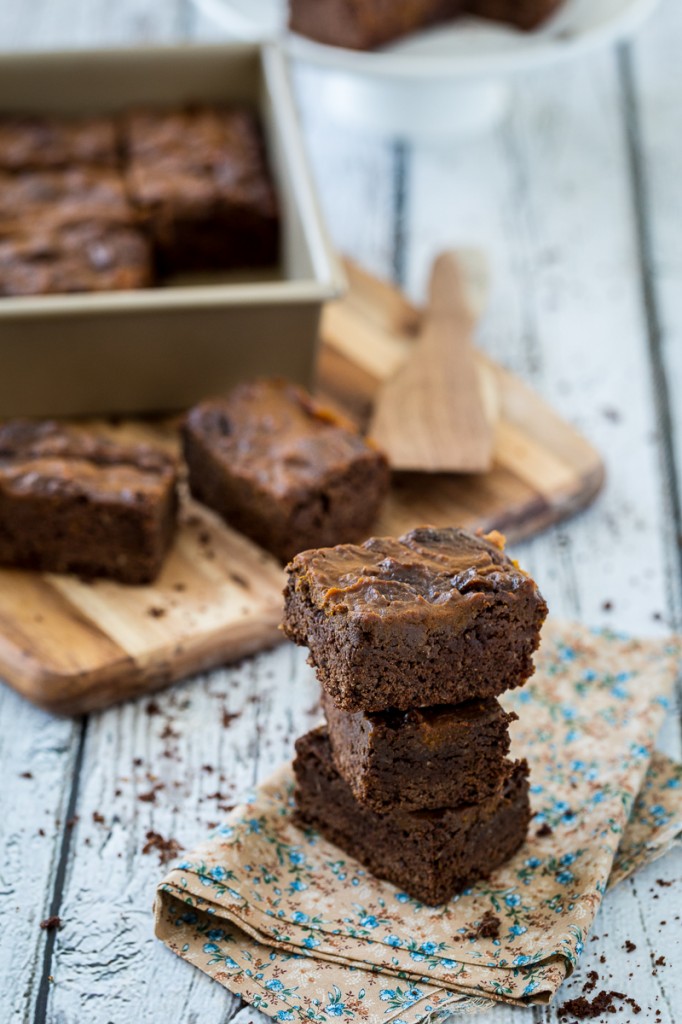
x=550, y=195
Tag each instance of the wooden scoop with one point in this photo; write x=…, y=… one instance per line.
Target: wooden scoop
x=432, y=415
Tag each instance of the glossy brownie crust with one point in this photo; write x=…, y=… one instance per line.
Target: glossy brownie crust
x=431, y=855
x=70, y=502
x=281, y=469
x=421, y=759
x=438, y=616
x=200, y=184
x=69, y=230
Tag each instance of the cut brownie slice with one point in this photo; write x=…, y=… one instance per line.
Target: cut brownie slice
x=423, y=758
x=200, y=182
x=72, y=502
x=437, y=617
x=525, y=14
x=45, y=142
x=65, y=258
x=366, y=24
x=72, y=196
x=282, y=469
x=430, y=855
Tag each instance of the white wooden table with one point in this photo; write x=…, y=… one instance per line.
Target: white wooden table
x=578, y=200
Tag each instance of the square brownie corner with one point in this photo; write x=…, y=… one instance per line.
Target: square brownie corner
x=438, y=616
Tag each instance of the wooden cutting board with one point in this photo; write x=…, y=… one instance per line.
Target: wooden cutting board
x=72, y=646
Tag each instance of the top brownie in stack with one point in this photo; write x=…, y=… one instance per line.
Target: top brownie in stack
x=438, y=616
x=200, y=183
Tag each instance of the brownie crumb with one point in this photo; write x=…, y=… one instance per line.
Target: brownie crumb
x=51, y=924
x=660, y=961
x=229, y=717
x=488, y=927
x=607, y=606
x=97, y=818
x=167, y=849
x=26, y=775
x=587, y=1009
x=544, y=830
x=662, y=882
x=152, y=708
x=155, y=612
x=629, y=946
x=591, y=983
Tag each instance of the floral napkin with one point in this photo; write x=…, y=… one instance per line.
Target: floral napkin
x=304, y=933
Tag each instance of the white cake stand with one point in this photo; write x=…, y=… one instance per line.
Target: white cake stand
x=446, y=82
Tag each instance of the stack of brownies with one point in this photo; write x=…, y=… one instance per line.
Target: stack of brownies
x=413, y=640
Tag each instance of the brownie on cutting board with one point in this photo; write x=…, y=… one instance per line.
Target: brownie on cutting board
x=438, y=616
x=423, y=758
x=74, y=502
x=282, y=469
x=430, y=855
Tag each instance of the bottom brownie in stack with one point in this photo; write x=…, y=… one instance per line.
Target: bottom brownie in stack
x=431, y=854
x=424, y=796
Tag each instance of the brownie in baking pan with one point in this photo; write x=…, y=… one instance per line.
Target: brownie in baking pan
x=438, y=616
x=430, y=855
x=49, y=142
x=423, y=758
x=33, y=200
x=282, y=469
x=366, y=24
x=200, y=183
x=78, y=503
x=525, y=14
x=79, y=257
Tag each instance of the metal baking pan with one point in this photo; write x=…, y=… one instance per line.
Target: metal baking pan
x=162, y=348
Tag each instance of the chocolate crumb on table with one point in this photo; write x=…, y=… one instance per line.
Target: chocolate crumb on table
x=51, y=924
x=438, y=616
x=282, y=469
x=78, y=503
x=430, y=854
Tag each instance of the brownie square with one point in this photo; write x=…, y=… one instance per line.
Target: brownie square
x=525, y=14
x=430, y=855
x=423, y=758
x=438, y=616
x=366, y=24
x=63, y=258
x=49, y=142
x=73, y=502
x=282, y=469
x=200, y=183
x=74, y=195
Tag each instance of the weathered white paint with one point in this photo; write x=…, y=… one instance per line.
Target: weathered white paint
x=549, y=196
